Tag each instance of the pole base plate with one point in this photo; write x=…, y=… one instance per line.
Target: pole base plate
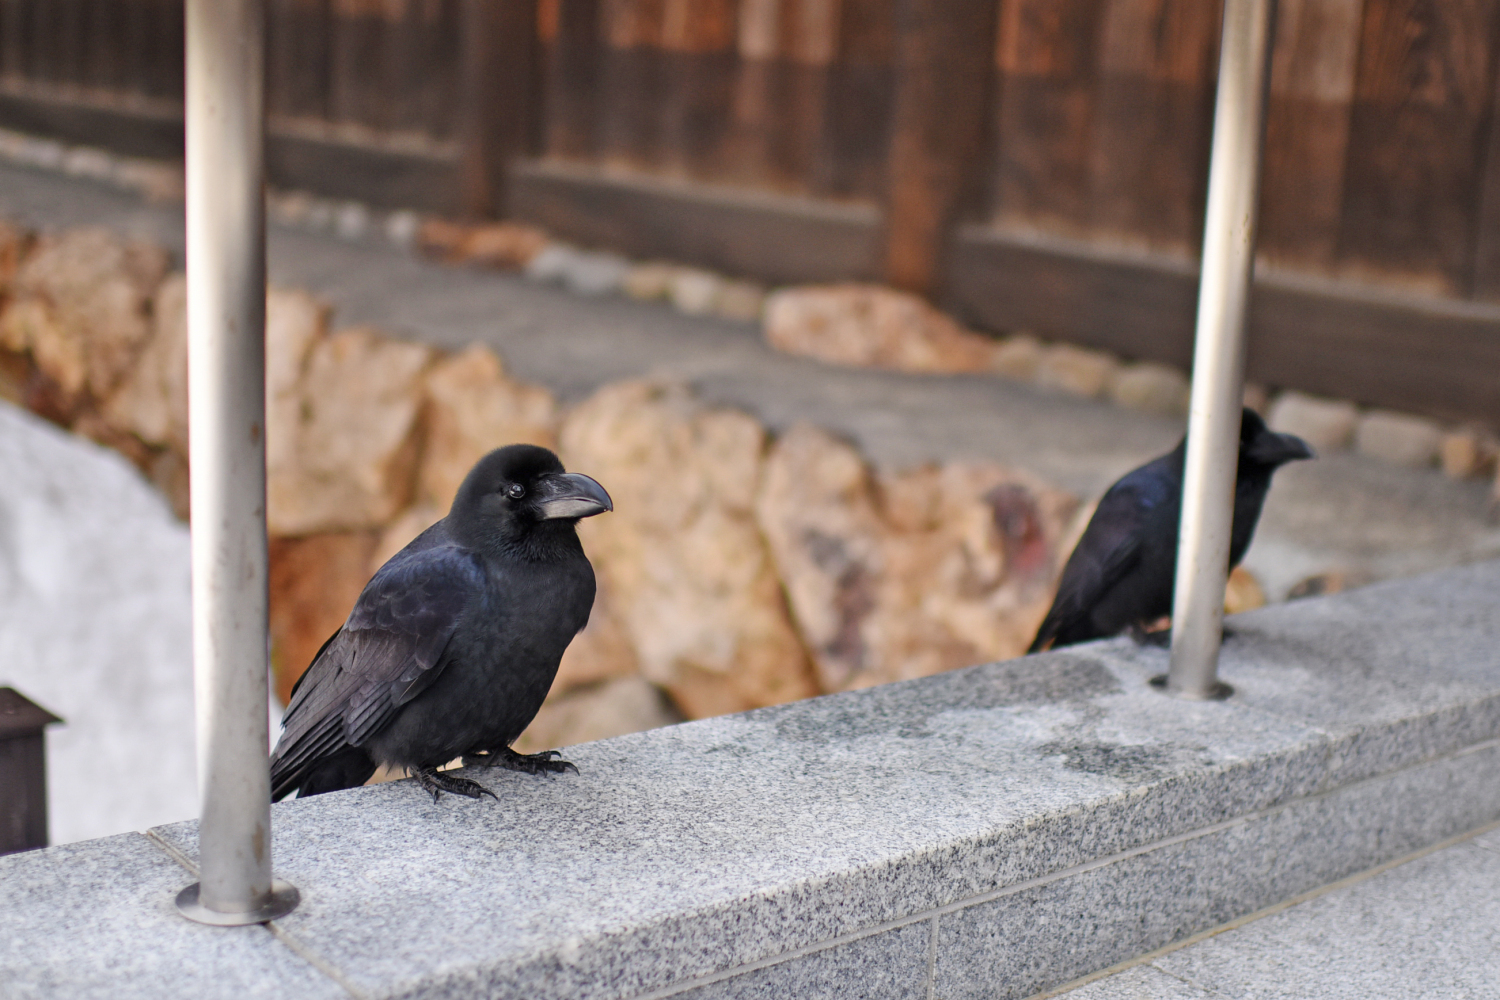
x=284, y=899
x=1217, y=692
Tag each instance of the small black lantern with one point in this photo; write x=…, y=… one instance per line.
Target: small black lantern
x=23, y=772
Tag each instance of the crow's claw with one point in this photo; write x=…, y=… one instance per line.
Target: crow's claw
x=437, y=783
x=526, y=763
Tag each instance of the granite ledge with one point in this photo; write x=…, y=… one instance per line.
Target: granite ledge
x=743, y=855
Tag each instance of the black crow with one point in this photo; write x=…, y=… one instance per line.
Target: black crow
x=1121, y=573
x=454, y=642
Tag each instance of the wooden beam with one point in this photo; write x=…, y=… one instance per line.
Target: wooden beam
x=497, y=96
x=944, y=59
x=775, y=238
x=1423, y=354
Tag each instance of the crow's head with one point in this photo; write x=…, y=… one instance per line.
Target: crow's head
x=1263, y=448
x=521, y=489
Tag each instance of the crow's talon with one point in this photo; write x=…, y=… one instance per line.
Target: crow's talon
x=437, y=783
x=526, y=763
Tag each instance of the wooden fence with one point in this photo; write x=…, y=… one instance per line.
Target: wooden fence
x=1030, y=163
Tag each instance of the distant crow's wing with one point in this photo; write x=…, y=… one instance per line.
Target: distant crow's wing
x=1109, y=548
x=390, y=649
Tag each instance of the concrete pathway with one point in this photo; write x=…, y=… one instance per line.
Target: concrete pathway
x=1428, y=928
x=1339, y=513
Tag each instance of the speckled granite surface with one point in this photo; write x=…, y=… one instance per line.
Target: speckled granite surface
x=991, y=832
x=1427, y=928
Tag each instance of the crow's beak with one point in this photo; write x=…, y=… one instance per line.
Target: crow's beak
x=1278, y=449
x=569, y=495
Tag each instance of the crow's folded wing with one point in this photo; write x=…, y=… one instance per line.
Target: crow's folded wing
x=1109, y=548
x=390, y=649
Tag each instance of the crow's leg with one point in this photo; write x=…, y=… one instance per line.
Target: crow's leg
x=437, y=783
x=526, y=763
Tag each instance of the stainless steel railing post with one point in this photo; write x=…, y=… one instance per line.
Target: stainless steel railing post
x=226, y=271
x=1219, y=350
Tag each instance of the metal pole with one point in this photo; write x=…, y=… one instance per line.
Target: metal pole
x=226, y=270
x=1219, y=351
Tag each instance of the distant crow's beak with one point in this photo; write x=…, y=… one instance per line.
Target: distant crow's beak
x=569, y=495
x=1278, y=449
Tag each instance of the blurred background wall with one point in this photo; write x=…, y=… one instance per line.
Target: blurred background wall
x=1029, y=164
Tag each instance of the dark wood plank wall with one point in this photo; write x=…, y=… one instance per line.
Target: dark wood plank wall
x=1036, y=163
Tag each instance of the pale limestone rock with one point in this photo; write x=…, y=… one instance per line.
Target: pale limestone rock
x=313, y=585
x=744, y=301
x=402, y=530
x=1018, y=357
x=15, y=242
x=509, y=246
x=151, y=402
x=1467, y=452
x=872, y=326
x=1257, y=397
x=695, y=292
x=681, y=558
x=1242, y=592
x=928, y=570
x=649, y=281
x=473, y=408
x=347, y=460
x=1398, y=438
x=1077, y=371
x=616, y=708
x=602, y=651
x=295, y=322
x=82, y=307
x=1150, y=388
x=1326, y=424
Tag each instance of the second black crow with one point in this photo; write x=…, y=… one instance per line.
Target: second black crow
x=1121, y=573
x=454, y=642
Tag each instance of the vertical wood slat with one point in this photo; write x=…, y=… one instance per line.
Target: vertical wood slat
x=1047, y=60
x=631, y=84
x=12, y=39
x=498, y=84
x=806, y=44
x=1417, y=141
x=697, y=75
x=860, y=100
x=1307, y=130
x=358, y=32
x=571, y=101
x=1152, y=121
x=944, y=60
x=297, y=57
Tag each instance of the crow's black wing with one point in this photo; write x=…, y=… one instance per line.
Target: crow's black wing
x=1109, y=548
x=389, y=650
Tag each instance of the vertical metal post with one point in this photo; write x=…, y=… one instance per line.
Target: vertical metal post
x=226, y=271
x=1219, y=351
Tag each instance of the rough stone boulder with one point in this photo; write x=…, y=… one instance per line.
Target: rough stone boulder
x=872, y=326
x=343, y=439
x=151, y=402
x=681, y=562
x=472, y=408
x=626, y=705
x=909, y=574
x=314, y=583
x=81, y=306
x=506, y=245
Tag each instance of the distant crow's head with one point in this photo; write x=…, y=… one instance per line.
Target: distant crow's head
x=515, y=491
x=1263, y=448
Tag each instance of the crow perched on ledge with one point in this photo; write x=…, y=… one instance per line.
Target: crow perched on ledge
x=454, y=642
x=1122, y=572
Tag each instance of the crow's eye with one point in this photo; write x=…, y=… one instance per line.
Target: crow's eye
x=515, y=491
